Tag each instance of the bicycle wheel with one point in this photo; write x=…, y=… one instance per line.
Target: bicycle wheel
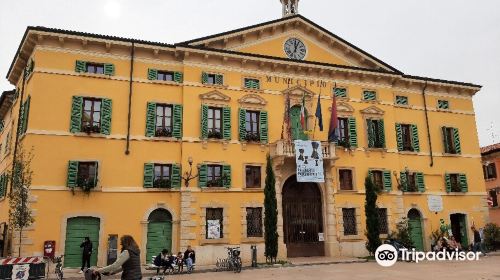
x=237, y=265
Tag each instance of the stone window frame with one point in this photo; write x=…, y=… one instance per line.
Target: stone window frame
x=354, y=185
x=348, y=95
x=340, y=222
x=262, y=176
x=377, y=95
x=244, y=237
x=372, y=113
x=225, y=223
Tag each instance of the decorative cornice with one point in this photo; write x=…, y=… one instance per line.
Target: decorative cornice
x=372, y=110
x=215, y=96
x=343, y=107
x=252, y=99
x=298, y=92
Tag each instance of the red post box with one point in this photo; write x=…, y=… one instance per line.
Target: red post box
x=49, y=249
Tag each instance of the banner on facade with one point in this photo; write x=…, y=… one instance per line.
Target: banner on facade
x=309, y=159
x=435, y=203
x=20, y=272
x=213, y=230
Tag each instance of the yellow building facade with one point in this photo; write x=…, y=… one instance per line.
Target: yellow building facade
x=115, y=123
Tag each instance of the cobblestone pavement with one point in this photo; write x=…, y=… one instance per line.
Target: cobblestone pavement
x=487, y=268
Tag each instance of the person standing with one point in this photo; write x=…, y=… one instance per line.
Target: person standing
x=477, y=241
x=129, y=261
x=86, y=253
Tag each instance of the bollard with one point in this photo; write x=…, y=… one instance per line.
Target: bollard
x=254, y=255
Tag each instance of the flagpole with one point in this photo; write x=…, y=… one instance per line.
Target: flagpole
x=284, y=114
x=315, y=118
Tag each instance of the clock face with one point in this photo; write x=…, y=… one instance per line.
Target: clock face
x=295, y=49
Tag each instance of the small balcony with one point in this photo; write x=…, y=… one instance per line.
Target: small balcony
x=283, y=148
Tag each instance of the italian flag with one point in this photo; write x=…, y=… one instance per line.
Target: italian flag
x=303, y=113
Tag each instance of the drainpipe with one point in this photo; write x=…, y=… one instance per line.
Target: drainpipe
x=127, y=150
x=16, y=143
x=427, y=123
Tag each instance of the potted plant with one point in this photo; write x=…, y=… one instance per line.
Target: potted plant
x=215, y=183
x=163, y=132
x=162, y=183
x=85, y=183
x=215, y=134
x=252, y=137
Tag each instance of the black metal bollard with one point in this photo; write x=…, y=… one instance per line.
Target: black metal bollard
x=254, y=255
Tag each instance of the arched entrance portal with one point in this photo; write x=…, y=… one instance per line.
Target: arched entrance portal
x=302, y=219
x=415, y=223
x=159, y=233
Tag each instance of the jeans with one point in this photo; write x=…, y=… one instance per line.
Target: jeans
x=189, y=262
x=478, y=247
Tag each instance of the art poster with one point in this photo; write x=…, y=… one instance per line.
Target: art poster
x=309, y=159
x=213, y=230
x=20, y=272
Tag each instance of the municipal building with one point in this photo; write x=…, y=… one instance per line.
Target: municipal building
x=119, y=125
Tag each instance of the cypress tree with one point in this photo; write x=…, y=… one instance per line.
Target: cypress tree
x=371, y=212
x=271, y=214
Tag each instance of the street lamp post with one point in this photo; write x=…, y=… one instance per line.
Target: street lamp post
x=188, y=176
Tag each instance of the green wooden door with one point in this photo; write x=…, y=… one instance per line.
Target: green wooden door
x=159, y=238
x=416, y=233
x=76, y=230
x=296, y=126
x=463, y=232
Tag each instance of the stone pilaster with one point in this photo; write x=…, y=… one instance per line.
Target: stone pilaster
x=187, y=225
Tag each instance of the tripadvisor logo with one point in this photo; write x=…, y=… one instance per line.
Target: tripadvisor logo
x=387, y=255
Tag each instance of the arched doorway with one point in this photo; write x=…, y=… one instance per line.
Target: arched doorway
x=415, y=223
x=302, y=219
x=159, y=233
x=296, y=126
x=77, y=229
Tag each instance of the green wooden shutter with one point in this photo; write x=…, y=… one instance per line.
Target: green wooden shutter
x=447, y=181
x=175, y=180
x=371, y=134
x=420, y=181
x=25, y=115
x=202, y=176
x=177, y=121
x=2, y=186
x=109, y=69
x=226, y=171
x=72, y=177
x=456, y=141
x=219, y=79
x=106, y=116
x=381, y=132
x=149, y=175
x=415, y=142
x=399, y=137
x=353, y=135
x=76, y=114
x=178, y=77
x=152, y=74
x=242, y=113
x=340, y=92
x=369, y=95
x=256, y=84
x=370, y=174
x=204, y=78
x=204, y=121
x=264, y=127
x=226, y=123
x=387, y=180
x=401, y=100
x=81, y=66
x=404, y=181
x=95, y=173
x=150, y=119
x=463, y=182
x=248, y=83
x=445, y=140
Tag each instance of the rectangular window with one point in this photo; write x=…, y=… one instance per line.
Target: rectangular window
x=214, y=176
x=411, y=182
x=345, y=179
x=494, y=197
x=252, y=176
x=343, y=132
x=94, y=68
x=455, y=183
x=214, y=122
x=490, y=171
x=252, y=126
x=401, y=100
x=382, y=221
x=212, y=79
x=165, y=76
x=406, y=133
x=91, y=117
x=369, y=95
x=87, y=174
x=163, y=173
x=349, y=218
x=254, y=222
x=449, y=140
x=214, y=223
x=163, y=120
x=378, y=179
x=443, y=104
x=376, y=137
x=252, y=83
x=340, y=92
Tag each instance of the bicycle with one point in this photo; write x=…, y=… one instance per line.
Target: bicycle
x=58, y=270
x=232, y=262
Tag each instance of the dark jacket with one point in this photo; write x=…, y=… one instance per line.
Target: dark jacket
x=132, y=267
x=190, y=254
x=87, y=247
x=477, y=237
x=161, y=262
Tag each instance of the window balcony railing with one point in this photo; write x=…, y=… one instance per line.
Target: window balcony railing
x=283, y=148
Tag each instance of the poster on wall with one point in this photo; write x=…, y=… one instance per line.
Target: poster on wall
x=435, y=203
x=20, y=272
x=309, y=159
x=213, y=229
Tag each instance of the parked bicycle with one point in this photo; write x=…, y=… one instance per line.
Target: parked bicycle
x=59, y=270
x=232, y=262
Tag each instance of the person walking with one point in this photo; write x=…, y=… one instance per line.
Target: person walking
x=129, y=261
x=86, y=253
x=477, y=241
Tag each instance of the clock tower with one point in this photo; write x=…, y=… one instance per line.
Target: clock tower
x=290, y=7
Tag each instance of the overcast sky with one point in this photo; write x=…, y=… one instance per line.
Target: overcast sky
x=448, y=39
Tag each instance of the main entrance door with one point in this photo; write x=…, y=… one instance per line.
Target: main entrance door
x=415, y=223
x=159, y=233
x=302, y=219
x=76, y=230
x=459, y=228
